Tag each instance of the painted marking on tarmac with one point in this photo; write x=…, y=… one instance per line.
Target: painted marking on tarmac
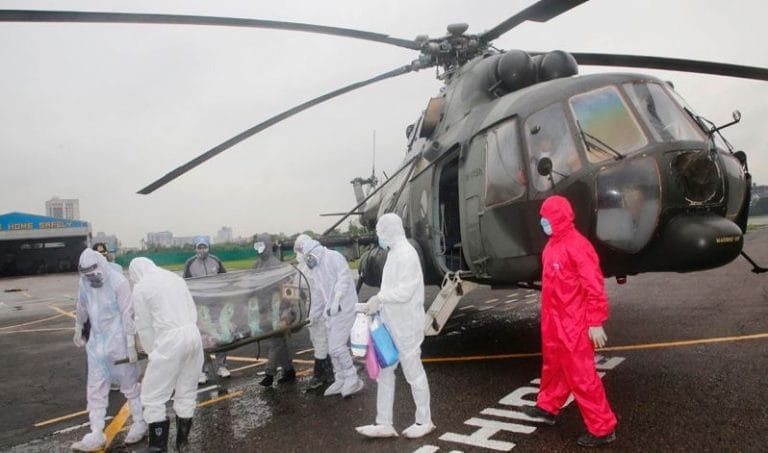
x=33, y=322
x=490, y=301
x=635, y=347
x=522, y=396
x=304, y=351
x=58, y=419
x=235, y=358
x=116, y=424
x=509, y=301
x=460, y=315
x=38, y=330
x=82, y=425
x=485, y=308
x=219, y=398
x=26, y=294
x=466, y=307
x=529, y=295
x=71, y=314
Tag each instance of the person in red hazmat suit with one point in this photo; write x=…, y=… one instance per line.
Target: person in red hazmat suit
x=573, y=309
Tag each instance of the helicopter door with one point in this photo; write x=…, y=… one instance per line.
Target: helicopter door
x=471, y=187
x=448, y=225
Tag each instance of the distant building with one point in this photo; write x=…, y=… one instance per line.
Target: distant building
x=35, y=244
x=224, y=235
x=63, y=208
x=162, y=239
x=184, y=240
x=759, y=203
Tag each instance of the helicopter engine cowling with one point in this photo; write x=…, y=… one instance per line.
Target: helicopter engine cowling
x=515, y=69
x=557, y=64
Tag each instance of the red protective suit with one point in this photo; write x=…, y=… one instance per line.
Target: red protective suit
x=573, y=299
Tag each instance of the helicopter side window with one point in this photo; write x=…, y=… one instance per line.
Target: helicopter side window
x=606, y=124
x=665, y=120
x=505, y=180
x=548, y=135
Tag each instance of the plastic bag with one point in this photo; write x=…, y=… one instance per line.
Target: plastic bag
x=386, y=351
x=371, y=362
x=358, y=337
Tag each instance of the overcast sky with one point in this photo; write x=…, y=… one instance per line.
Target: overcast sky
x=97, y=112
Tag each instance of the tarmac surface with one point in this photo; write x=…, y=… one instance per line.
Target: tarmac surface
x=685, y=369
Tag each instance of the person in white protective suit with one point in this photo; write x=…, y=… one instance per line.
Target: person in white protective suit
x=105, y=302
x=333, y=287
x=166, y=321
x=323, y=371
x=401, y=304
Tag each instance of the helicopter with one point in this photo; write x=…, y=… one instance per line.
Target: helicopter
x=654, y=186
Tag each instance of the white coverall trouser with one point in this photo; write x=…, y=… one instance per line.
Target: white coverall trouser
x=173, y=368
x=416, y=377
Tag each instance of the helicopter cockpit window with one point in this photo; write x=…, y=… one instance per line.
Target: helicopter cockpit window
x=606, y=124
x=505, y=180
x=666, y=120
x=548, y=135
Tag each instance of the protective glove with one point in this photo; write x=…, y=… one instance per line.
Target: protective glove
x=335, y=306
x=78, y=338
x=130, y=341
x=370, y=307
x=598, y=336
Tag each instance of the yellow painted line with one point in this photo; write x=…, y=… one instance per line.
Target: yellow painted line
x=116, y=424
x=71, y=314
x=28, y=296
x=304, y=351
x=303, y=373
x=220, y=398
x=37, y=330
x=670, y=344
x=33, y=322
x=58, y=419
x=235, y=358
x=245, y=367
x=304, y=362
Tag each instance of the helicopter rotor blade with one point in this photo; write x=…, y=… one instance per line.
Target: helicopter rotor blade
x=671, y=64
x=176, y=19
x=541, y=11
x=178, y=171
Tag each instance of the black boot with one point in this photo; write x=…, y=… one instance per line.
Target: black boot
x=183, y=426
x=288, y=375
x=591, y=441
x=158, y=437
x=328, y=375
x=267, y=381
x=317, y=380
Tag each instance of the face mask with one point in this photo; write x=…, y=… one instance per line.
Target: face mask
x=202, y=252
x=95, y=279
x=259, y=247
x=546, y=226
x=382, y=245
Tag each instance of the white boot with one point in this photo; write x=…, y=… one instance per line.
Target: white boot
x=416, y=430
x=139, y=427
x=377, y=431
x=352, y=385
x=338, y=383
x=94, y=441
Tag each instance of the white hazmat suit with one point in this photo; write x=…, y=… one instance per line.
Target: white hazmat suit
x=166, y=320
x=333, y=288
x=401, y=304
x=105, y=300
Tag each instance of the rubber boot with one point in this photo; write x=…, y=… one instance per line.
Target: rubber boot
x=288, y=375
x=158, y=437
x=317, y=376
x=183, y=426
x=328, y=374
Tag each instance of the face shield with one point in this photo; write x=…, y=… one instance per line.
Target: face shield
x=202, y=251
x=93, y=275
x=259, y=247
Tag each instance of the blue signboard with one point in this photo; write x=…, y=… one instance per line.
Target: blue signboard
x=19, y=221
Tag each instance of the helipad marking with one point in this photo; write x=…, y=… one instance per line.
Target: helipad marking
x=58, y=419
x=490, y=301
x=33, y=322
x=117, y=424
x=36, y=330
x=220, y=398
x=304, y=351
x=71, y=314
x=235, y=358
x=670, y=344
x=466, y=307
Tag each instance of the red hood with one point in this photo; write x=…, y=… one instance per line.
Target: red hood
x=558, y=211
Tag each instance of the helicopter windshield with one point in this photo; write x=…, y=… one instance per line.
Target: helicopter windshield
x=548, y=135
x=604, y=117
x=666, y=120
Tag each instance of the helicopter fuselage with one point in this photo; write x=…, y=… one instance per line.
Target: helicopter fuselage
x=649, y=187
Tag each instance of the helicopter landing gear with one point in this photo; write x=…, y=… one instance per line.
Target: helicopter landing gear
x=756, y=268
x=452, y=290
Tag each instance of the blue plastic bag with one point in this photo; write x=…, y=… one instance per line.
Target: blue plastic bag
x=386, y=351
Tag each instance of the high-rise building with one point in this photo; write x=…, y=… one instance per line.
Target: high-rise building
x=62, y=208
x=162, y=238
x=224, y=235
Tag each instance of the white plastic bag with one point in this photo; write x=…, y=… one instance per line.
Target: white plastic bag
x=359, y=335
